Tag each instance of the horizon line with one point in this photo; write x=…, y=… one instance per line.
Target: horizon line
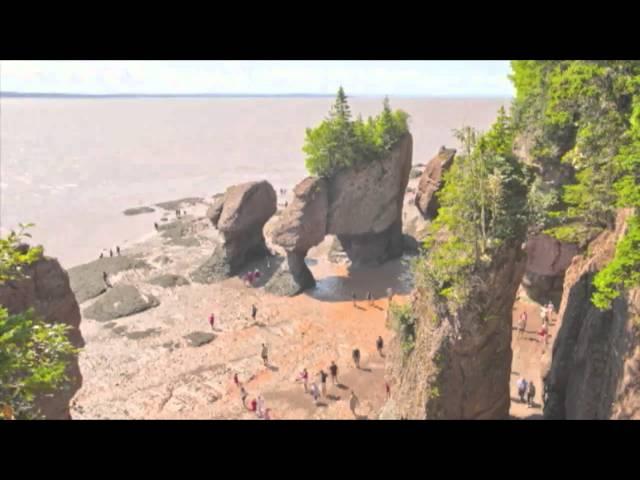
x=14, y=94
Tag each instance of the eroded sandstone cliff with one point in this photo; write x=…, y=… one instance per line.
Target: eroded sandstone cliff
x=46, y=289
x=594, y=370
x=460, y=365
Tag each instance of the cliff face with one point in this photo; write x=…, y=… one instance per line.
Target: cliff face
x=595, y=363
x=48, y=291
x=365, y=206
x=461, y=363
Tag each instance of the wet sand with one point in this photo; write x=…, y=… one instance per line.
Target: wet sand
x=142, y=367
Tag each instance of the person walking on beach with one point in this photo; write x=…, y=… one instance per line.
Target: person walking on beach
x=111, y=252
x=265, y=354
x=254, y=312
x=353, y=403
x=315, y=393
x=387, y=389
x=304, y=378
x=333, y=370
x=101, y=255
x=544, y=335
x=549, y=310
x=353, y=297
x=370, y=299
x=236, y=381
x=212, y=319
x=522, y=326
x=390, y=294
x=155, y=225
x=545, y=393
x=253, y=406
x=118, y=250
x=261, y=405
x=380, y=345
x=356, y=358
x=323, y=382
x=243, y=396
x=105, y=277
x=522, y=389
x=531, y=393
x=543, y=314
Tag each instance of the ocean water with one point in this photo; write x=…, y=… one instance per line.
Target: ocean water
x=71, y=166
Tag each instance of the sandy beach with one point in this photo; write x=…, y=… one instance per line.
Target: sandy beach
x=144, y=366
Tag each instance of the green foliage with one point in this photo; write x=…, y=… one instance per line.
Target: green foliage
x=482, y=204
x=13, y=258
x=403, y=322
x=33, y=354
x=623, y=271
x=586, y=114
x=338, y=142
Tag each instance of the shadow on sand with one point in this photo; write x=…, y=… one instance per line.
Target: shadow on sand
x=394, y=274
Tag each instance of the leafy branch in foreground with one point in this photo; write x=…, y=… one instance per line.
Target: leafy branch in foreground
x=33, y=354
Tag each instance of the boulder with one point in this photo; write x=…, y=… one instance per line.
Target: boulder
x=198, y=339
x=215, y=210
x=431, y=182
x=138, y=210
x=547, y=261
x=87, y=282
x=47, y=290
x=120, y=301
x=302, y=225
x=169, y=280
x=246, y=208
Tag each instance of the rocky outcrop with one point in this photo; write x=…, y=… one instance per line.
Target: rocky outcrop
x=431, y=182
x=198, y=339
x=169, y=280
x=181, y=202
x=87, y=280
x=547, y=260
x=246, y=208
x=138, y=210
x=460, y=364
x=301, y=226
x=215, y=210
x=120, y=301
x=595, y=360
x=361, y=206
x=46, y=289
x=365, y=206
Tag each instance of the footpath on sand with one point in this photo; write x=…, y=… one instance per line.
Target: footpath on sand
x=528, y=360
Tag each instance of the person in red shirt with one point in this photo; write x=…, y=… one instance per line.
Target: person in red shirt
x=253, y=405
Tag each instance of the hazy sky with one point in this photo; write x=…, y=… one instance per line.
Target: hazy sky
x=437, y=78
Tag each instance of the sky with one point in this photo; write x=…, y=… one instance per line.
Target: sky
x=395, y=78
